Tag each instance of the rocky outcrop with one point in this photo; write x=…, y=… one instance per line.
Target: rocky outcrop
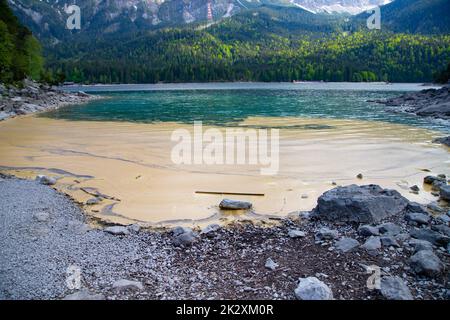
x=34, y=97
x=359, y=204
x=443, y=140
x=433, y=103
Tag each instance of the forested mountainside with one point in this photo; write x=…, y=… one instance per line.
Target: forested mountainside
x=189, y=55
x=20, y=52
x=270, y=41
x=415, y=16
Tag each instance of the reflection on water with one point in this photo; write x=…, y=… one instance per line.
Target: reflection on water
x=230, y=104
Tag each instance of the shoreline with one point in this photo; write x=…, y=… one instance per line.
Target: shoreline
x=432, y=103
x=241, y=260
x=231, y=262
x=35, y=98
x=247, y=85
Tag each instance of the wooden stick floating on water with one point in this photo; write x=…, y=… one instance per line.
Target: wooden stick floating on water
x=233, y=193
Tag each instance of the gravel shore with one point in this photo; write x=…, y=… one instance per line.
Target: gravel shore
x=43, y=234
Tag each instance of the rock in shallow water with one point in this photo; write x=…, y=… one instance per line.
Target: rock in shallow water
x=394, y=288
x=49, y=181
x=361, y=204
x=93, y=201
x=431, y=179
x=443, y=140
x=228, y=204
x=444, y=192
x=312, y=288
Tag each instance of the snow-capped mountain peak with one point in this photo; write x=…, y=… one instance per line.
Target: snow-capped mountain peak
x=338, y=6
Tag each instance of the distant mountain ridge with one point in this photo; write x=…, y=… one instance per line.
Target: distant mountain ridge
x=415, y=16
x=47, y=18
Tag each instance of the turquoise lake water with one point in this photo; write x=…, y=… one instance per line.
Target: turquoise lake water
x=231, y=103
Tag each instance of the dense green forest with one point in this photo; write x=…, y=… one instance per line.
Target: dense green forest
x=20, y=52
x=444, y=75
x=182, y=55
x=264, y=44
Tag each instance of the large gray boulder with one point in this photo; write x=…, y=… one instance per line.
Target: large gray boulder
x=312, y=288
x=425, y=262
x=443, y=140
x=444, y=192
x=360, y=204
x=393, y=288
x=431, y=236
